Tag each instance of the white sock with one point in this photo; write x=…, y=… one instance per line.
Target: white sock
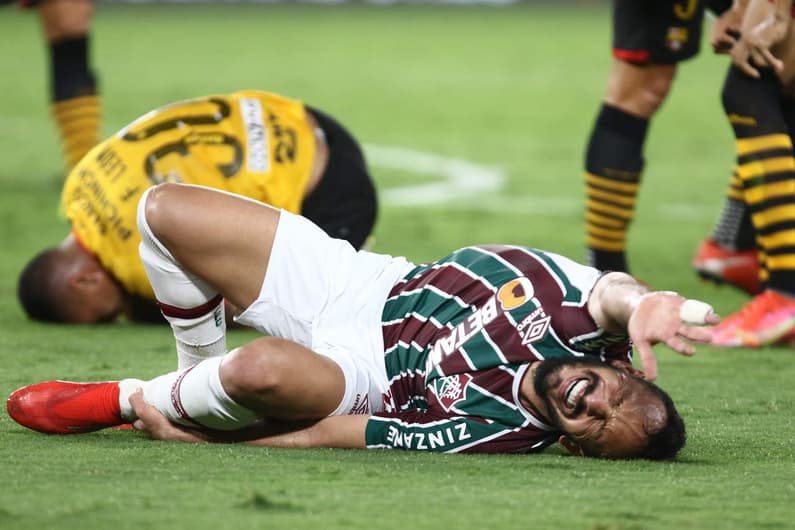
x=190, y=397
x=194, y=309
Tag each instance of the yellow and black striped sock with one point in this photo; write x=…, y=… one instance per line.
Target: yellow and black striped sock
x=78, y=122
x=613, y=166
x=76, y=105
x=766, y=168
x=768, y=175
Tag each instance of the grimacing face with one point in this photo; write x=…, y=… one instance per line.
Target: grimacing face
x=605, y=411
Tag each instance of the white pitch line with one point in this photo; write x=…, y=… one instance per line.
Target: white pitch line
x=471, y=186
x=462, y=178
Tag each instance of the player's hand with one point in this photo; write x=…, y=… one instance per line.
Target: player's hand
x=151, y=422
x=726, y=31
x=753, y=50
x=659, y=318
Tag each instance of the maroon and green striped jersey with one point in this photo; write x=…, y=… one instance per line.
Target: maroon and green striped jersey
x=459, y=335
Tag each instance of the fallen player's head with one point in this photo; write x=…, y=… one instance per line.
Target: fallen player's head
x=64, y=284
x=607, y=412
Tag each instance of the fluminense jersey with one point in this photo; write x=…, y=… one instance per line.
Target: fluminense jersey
x=252, y=143
x=459, y=335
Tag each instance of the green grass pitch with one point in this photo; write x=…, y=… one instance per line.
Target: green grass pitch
x=503, y=93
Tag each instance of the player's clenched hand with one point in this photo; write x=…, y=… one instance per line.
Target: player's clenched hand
x=658, y=318
x=157, y=426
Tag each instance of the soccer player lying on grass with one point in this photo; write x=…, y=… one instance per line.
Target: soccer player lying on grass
x=491, y=349
x=257, y=144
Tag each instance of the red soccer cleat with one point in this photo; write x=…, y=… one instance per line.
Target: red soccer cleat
x=768, y=318
x=788, y=339
x=737, y=268
x=62, y=407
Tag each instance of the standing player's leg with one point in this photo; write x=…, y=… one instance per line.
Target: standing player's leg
x=730, y=254
x=75, y=101
x=649, y=40
x=614, y=157
x=766, y=167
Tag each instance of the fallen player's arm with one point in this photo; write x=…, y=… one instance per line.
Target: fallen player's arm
x=344, y=432
x=619, y=303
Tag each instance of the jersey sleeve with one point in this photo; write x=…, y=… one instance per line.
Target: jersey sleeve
x=424, y=431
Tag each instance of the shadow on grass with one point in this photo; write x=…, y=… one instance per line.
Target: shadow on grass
x=258, y=501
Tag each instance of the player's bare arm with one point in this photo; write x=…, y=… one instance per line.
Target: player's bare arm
x=343, y=432
x=619, y=303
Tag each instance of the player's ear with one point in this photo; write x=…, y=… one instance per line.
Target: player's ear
x=571, y=446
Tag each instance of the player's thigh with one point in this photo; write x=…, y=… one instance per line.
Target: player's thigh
x=283, y=379
x=224, y=239
x=61, y=19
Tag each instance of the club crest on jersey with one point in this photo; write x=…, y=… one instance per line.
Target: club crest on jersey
x=534, y=326
x=452, y=389
x=515, y=293
x=676, y=38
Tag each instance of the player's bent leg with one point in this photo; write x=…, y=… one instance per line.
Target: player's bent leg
x=194, y=309
x=222, y=238
x=281, y=379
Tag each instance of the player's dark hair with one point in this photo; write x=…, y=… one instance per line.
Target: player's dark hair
x=665, y=443
x=35, y=290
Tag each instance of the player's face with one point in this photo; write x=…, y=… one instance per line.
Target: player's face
x=96, y=302
x=604, y=411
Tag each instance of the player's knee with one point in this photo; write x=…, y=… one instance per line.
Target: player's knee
x=257, y=368
x=643, y=91
x=157, y=206
x=66, y=19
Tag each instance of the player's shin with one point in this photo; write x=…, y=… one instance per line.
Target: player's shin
x=193, y=308
x=194, y=397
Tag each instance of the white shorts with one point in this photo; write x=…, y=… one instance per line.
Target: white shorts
x=323, y=294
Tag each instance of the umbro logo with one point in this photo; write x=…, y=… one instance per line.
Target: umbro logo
x=534, y=326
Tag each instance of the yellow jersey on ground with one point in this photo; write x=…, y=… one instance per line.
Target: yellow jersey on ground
x=251, y=143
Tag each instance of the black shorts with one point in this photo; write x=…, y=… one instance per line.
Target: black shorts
x=659, y=31
x=344, y=203
x=22, y=3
